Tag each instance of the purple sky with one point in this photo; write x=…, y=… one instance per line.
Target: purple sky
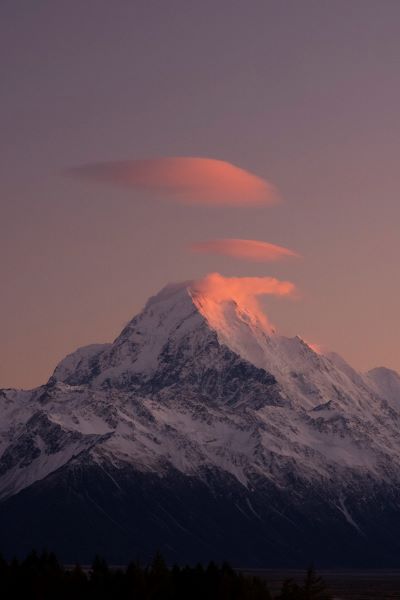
x=304, y=94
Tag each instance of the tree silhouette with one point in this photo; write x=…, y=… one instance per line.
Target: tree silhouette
x=290, y=591
x=41, y=577
x=314, y=587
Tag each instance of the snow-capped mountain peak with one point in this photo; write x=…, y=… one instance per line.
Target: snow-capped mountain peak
x=199, y=386
x=192, y=309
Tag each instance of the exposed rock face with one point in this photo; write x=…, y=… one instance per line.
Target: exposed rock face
x=201, y=433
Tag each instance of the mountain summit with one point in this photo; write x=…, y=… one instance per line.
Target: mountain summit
x=203, y=433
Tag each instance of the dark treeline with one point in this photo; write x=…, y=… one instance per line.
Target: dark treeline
x=42, y=577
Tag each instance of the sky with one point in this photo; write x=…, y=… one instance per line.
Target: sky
x=301, y=96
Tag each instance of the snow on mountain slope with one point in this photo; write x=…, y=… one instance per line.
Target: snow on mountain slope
x=386, y=382
x=201, y=380
x=186, y=318
x=76, y=364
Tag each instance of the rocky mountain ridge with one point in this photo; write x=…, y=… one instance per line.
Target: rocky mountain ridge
x=199, y=398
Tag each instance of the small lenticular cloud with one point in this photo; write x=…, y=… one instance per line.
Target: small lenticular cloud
x=251, y=250
x=188, y=180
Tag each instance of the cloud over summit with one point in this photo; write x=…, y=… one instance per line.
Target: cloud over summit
x=215, y=290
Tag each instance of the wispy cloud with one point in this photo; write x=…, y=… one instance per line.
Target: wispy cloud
x=251, y=250
x=214, y=289
x=189, y=180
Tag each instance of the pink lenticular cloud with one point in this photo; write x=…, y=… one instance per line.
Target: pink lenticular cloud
x=252, y=250
x=189, y=180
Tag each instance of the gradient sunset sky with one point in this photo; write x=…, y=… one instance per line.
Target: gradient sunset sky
x=302, y=94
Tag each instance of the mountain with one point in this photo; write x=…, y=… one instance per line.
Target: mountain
x=386, y=383
x=204, y=434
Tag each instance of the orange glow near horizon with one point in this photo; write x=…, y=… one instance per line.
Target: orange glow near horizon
x=317, y=348
x=251, y=250
x=188, y=180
